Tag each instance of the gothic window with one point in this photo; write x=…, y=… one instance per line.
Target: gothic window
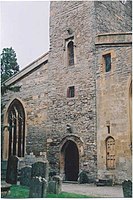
x=70, y=50
x=71, y=91
x=107, y=61
x=16, y=121
x=110, y=153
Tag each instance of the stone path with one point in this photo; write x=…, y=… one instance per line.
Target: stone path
x=93, y=190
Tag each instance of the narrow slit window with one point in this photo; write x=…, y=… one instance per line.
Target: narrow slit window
x=108, y=127
x=71, y=92
x=107, y=61
x=70, y=48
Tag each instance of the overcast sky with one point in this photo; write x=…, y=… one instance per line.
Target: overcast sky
x=25, y=28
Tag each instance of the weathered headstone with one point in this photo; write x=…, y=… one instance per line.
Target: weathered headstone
x=29, y=159
x=83, y=178
x=38, y=187
x=52, y=187
x=11, y=174
x=25, y=176
x=127, y=188
x=58, y=181
x=40, y=169
x=3, y=169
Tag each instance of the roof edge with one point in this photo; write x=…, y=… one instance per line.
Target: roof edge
x=42, y=59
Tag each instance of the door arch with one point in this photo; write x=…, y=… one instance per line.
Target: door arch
x=70, y=160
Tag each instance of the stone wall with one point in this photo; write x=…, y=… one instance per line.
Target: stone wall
x=33, y=95
x=100, y=98
x=113, y=16
x=113, y=100
x=80, y=111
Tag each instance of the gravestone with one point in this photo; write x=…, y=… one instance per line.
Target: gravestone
x=83, y=178
x=3, y=169
x=11, y=174
x=58, y=181
x=127, y=188
x=38, y=187
x=52, y=187
x=29, y=159
x=40, y=169
x=55, y=185
x=25, y=176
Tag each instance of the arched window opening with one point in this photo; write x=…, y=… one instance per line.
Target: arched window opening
x=16, y=122
x=70, y=48
x=110, y=153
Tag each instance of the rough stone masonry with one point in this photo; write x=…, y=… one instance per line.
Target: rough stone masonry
x=88, y=130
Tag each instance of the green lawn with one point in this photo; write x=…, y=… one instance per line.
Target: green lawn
x=18, y=192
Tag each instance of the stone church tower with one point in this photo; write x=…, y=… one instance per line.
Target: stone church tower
x=74, y=105
x=71, y=90
x=75, y=87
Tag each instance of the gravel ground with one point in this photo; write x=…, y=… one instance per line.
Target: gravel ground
x=93, y=190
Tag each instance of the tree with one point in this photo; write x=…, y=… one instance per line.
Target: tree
x=9, y=67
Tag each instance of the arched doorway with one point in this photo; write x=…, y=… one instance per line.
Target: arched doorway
x=110, y=153
x=71, y=160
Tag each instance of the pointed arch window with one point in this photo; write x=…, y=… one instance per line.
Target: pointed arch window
x=110, y=153
x=16, y=121
x=70, y=50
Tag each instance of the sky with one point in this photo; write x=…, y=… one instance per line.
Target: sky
x=25, y=28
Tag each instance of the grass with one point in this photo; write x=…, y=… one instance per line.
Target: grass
x=67, y=195
x=19, y=192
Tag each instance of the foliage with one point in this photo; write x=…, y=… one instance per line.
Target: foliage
x=5, y=88
x=9, y=65
x=18, y=191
